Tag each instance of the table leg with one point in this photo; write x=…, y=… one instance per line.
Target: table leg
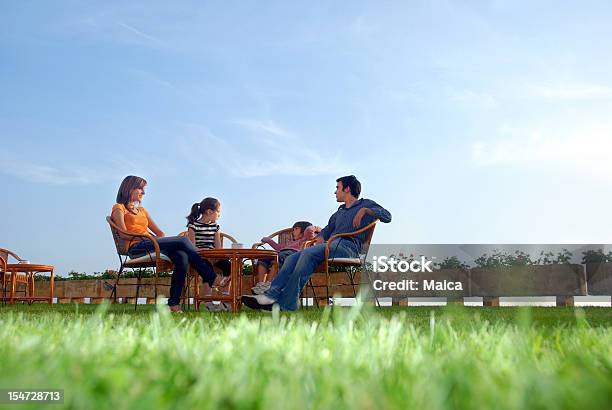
x=234, y=283
x=240, y=276
x=13, y=281
x=196, y=290
x=30, y=286
x=51, y=287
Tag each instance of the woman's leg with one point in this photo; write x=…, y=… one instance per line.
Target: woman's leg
x=172, y=244
x=182, y=243
x=207, y=285
x=180, y=261
x=225, y=266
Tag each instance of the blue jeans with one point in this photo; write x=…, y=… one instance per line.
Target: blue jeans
x=299, y=267
x=182, y=253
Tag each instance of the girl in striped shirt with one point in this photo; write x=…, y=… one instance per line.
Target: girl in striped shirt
x=203, y=231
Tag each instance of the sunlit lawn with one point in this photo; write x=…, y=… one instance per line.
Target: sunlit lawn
x=361, y=357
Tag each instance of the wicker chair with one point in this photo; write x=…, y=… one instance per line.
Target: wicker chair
x=153, y=260
x=24, y=272
x=358, y=262
x=282, y=236
x=14, y=278
x=192, y=275
x=2, y=273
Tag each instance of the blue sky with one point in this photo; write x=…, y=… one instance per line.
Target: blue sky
x=470, y=121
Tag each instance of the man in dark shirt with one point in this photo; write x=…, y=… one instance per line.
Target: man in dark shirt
x=298, y=268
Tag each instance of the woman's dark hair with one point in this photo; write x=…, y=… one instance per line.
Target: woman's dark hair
x=198, y=209
x=351, y=183
x=129, y=184
x=302, y=225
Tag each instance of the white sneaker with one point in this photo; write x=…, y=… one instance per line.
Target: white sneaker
x=265, y=300
x=260, y=302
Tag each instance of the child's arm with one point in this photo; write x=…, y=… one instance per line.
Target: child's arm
x=310, y=233
x=272, y=243
x=218, y=242
x=191, y=235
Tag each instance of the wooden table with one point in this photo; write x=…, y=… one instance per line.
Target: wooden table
x=29, y=269
x=236, y=257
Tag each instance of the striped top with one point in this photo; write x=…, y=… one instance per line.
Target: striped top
x=204, y=234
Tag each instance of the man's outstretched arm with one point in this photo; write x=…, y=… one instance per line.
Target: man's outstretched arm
x=373, y=209
x=379, y=212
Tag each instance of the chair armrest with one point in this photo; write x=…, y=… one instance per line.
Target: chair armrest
x=308, y=244
x=139, y=235
x=13, y=254
x=228, y=236
x=2, y=264
x=346, y=235
x=257, y=245
x=131, y=234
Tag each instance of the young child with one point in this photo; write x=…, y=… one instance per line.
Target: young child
x=302, y=231
x=203, y=231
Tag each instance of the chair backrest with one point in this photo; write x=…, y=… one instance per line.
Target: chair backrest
x=228, y=237
x=3, y=259
x=284, y=236
x=365, y=246
x=5, y=254
x=119, y=241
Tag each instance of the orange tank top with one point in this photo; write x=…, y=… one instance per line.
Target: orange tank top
x=137, y=223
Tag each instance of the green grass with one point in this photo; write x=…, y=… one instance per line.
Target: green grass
x=364, y=358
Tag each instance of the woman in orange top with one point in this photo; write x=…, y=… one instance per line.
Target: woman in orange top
x=131, y=217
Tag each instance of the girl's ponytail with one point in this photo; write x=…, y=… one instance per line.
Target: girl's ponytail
x=199, y=208
x=195, y=213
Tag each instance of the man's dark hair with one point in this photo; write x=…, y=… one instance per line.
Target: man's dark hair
x=352, y=183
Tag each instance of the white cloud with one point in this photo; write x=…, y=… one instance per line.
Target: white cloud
x=115, y=169
x=473, y=98
x=570, y=91
x=46, y=174
x=266, y=127
x=584, y=150
x=140, y=33
x=282, y=152
x=110, y=25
